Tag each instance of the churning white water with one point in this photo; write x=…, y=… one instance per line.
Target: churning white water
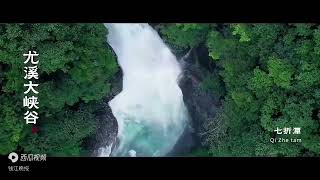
x=150, y=111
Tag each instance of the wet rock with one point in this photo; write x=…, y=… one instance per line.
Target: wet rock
x=107, y=124
x=201, y=105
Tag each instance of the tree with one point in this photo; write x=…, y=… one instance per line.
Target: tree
x=184, y=35
x=62, y=135
x=270, y=72
x=75, y=66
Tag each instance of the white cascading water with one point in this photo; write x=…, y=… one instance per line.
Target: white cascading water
x=150, y=111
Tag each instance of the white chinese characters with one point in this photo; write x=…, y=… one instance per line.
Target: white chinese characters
x=30, y=57
x=30, y=87
x=33, y=157
x=288, y=130
x=31, y=72
x=30, y=102
x=31, y=117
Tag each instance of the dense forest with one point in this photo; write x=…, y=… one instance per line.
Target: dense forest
x=266, y=76
x=75, y=65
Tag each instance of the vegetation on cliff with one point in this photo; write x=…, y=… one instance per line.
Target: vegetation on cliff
x=271, y=79
x=267, y=76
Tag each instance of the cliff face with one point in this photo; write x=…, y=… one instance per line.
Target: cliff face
x=201, y=105
x=107, y=124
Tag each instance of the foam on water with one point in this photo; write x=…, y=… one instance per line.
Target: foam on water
x=150, y=111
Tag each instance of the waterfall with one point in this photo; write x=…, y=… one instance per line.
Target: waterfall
x=150, y=110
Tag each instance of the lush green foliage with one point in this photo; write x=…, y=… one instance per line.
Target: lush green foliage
x=63, y=135
x=271, y=75
x=267, y=75
x=183, y=36
x=213, y=84
x=75, y=64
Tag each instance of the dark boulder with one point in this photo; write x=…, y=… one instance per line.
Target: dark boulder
x=107, y=124
x=201, y=105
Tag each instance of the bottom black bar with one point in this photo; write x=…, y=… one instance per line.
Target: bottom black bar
x=159, y=165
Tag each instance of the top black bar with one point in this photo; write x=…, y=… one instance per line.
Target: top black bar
x=161, y=12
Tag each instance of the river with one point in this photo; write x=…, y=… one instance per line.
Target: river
x=150, y=111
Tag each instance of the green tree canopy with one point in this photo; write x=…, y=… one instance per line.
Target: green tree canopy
x=75, y=65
